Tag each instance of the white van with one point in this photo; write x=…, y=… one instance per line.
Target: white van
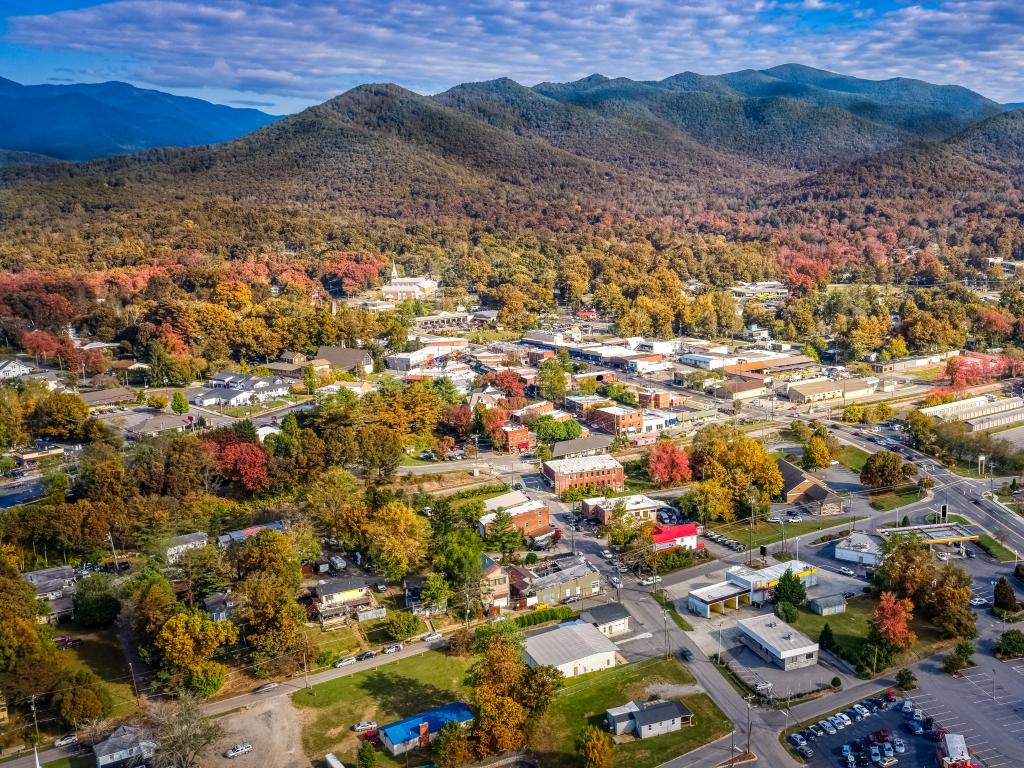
x=332, y=761
x=337, y=563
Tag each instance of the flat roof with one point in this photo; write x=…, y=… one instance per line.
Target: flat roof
x=630, y=503
x=582, y=464
x=715, y=593
x=771, y=574
x=617, y=410
x=773, y=633
x=860, y=542
x=939, y=533
x=506, y=500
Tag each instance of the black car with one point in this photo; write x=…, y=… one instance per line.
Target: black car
x=685, y=654
x=805, y=751
x=848, y=595
x=366, y=655
x=808, y=735
x=969, y=552
x=928, y=723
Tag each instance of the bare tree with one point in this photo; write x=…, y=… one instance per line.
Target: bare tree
x=183, y=732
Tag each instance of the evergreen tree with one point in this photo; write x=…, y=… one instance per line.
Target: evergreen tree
x=826, y=639
x=1004, y=596
x=179, y=404
x=503, y=535
x=790, y=589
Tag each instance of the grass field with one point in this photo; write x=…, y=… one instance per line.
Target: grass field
x=584, y=703
x=850, y=630
x=101, y=653
x=77, y=761
x=338, y=642
x=637, y=479
x=886, y=502
x=385, y=694
x=769, y=533
x=995, y=548
x=852, y=458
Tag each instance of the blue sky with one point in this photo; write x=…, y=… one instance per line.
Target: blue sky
x=283, y=55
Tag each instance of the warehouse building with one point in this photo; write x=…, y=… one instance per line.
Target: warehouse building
x=573, y=649
x=778, y=643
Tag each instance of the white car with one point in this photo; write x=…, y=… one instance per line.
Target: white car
x=238, y=750
x=845, y=718
x=646, y=581
x=432, y=636
x=846, y=571
x=606, y=554
x=918, y=714
x=615, y=581
x=837, y=722
x=977, y=602
x=862, y=710
x=908, y=706
x=827, y=726
x=345, y=662
x=66, y=741
x=365, y=725
x=943, y=556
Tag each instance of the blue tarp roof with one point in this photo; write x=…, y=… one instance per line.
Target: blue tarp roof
x=409, y=728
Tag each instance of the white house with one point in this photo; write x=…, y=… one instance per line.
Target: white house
x=182, y=544
x=13, y=369
x=573, y=649
x=125, y=747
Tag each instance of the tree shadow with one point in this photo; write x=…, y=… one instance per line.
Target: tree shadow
x=404, y=695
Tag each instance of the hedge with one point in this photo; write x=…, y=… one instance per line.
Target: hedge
x=557, y=613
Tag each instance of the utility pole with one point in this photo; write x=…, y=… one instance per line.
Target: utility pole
x=135, y=685
x=113, y=550
x=35, y=720
x=664, y=615
x=305, y=669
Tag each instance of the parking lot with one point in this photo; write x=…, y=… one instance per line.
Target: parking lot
x=920, y=750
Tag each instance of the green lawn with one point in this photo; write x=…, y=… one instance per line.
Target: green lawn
x=584, y=703
x=338, y=642
x=637, y=479
x=852, y=457
x=850, y=630
x=995, y=548
x=769, y=533
x=388, y=693
x=101, y=653
x=886, y=502
x=85, y=760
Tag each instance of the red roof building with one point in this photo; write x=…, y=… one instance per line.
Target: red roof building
x=668, y=537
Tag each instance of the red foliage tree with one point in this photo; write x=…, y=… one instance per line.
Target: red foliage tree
x=245, y=463
x=892, y=619
x=39, y=344
x=492, y=422
x=508, y=382
x=668, y=464
x=457, y=419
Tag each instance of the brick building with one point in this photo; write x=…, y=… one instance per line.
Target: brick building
x=587, y=471
x=618, y=420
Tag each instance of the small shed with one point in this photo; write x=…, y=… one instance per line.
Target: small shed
x=828, y=605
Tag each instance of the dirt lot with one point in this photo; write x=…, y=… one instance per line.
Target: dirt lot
x=273, y=729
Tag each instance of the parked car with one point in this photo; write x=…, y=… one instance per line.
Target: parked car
x=345, y=662
x=827, y=726
x=366, y=655
x=837, y=722
x=66, y=741
x=266, y=687
x=393, y=648
x=606, y=554
x=846, y=571
x=978, y=602
x=615, y=581
x=797, y=739
x=431, y=637
x=647, y=581
x=915, y=727
x=816, y=729
x=869, y=705
x=876, y=755
x=862, y=710
x=805, y=751
x=908, y=707
x=238, y=750
x=898, y=746
x=887, y=749
x=380, y=586
x=364, y=725
x=853, y=714
x=919, y=715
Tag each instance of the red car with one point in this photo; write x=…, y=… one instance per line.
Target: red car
x=884, y=735
x=939, y=734
x=890, y=695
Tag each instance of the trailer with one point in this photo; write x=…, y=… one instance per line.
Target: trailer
x=952, y=752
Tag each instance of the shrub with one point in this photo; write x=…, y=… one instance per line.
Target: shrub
x=460, y=641
x=402, y=625
x=787, y=612
x=1010, y=645
x=325, y=658
x=905, y=679
x=953, y=664
x=556, y=613
x=836, y=682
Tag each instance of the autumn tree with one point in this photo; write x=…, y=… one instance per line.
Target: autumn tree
x=334, y=506
x=853, y=414
x=187, y=644
x=891, y=620
x=816, y=453
x=452, y=748
x=886, y=469
x=594, y=747
x=157, y=402
x=668, y=464
x=183, y=732
x=551, y=380
x=739, y=463
x=709, y=500
x=458, y=420
x=270, y=553
x=273, y=619
x=397, y=539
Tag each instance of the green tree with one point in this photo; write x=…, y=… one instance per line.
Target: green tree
x=179, y=403
x=786, y=611
x=81, y=697
x=204, y=572
x=790, y=589
x=886, y=469
x=826, y=639
x=402, y=625
x=551, y=380
x=906, y=679
x=503, y=536
x=1010, y=645
x=457, y=556
x=366, y=757
x=95, y=604
x=1004, y=597
x=435, y=591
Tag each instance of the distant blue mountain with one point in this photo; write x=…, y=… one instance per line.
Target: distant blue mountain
x=87, y=121
x=1015, y=105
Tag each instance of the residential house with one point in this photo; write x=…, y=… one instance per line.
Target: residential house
x=419, y=730
x=574, y=649
x=13, y=369
x=336, y=597
x=799, y=487
x=585, y=472
x=126, y=747
x=645, y=719
x=219, y=606
x=345, y=359
x=611, y=619
x=670, y=537
x=531, y=518
x=236, y=537
x=637, y=506
x=412, y=587
x=494, y=586
x=182, y=544
x=56, y=588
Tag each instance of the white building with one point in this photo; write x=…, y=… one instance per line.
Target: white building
x=573, y=649
x=778, y=643
x=408, y=288
x=709, y=361
x=13, y=369
x=182, y=544
x=859, y=548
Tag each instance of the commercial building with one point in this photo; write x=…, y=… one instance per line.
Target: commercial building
x=859, y=548
x=828, y=605
x=939, y=533
x=709, y=361
x=911, y=363
x=644, y=719
x=746, y=585
x=573, y=649
x=951, y=411
x=531, y=518
x=518, y=439
x=832, y=389
x=582, y=405
x=581, y=446
x=669, y=537
x=739, y=389
x=586, y=472
x=777, y=642
x=617, y=419
x=611, y=619
x=554, y=581
x=421, y=729
x=636, y=506
x=799, y=487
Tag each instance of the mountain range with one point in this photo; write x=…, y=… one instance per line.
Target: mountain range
x=86, y=121
x=783, y=144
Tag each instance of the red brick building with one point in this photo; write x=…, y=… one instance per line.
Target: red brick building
x=583, y=472
x=618, y=420
x=532, y=518
x=518, y=438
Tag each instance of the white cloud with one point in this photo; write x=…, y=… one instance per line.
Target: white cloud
x=311, y=49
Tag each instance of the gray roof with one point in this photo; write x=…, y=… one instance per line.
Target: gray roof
x=653, y=712
x=123, y=738
x=343, y=357
x=567, y=643
x=581, y=445
x=190, y=538
x=828, y=601
x=334, y=586
x=602, y=614
x=568, y=573
x=107, y=396
x=792, y=475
